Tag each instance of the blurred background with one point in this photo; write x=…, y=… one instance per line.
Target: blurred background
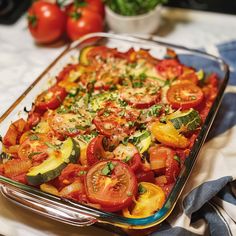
x=10, y=10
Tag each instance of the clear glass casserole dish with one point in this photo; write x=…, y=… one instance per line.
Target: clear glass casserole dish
x=77, y=214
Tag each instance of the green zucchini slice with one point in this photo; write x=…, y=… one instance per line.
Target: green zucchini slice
x=83, y=55
x=188, y=120
x=49, y=169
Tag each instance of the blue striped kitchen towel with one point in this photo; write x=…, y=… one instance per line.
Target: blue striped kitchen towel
x=208, y=203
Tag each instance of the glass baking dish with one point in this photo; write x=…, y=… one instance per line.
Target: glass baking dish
x=77, y=214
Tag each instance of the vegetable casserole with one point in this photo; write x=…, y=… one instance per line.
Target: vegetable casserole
x=114, y=130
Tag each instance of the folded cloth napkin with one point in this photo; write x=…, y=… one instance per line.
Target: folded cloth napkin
x=208, y=204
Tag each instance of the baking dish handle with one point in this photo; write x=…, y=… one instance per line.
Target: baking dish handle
x=47, y=207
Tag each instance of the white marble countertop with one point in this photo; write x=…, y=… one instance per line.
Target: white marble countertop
x=21, y=61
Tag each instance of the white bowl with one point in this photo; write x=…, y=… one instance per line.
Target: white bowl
x=141, y=24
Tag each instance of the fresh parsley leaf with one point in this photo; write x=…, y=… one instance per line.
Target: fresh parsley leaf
x=177, y=158
x=33, y=154
x=106, y=170
x=141, y=189
x=34, y=137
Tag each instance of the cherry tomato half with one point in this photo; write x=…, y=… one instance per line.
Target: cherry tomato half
x=50, y=99
x=108, y=122
x=169, y=68
x=95, y=150
x=34, y=148
x=68, y=124
x=184, y=95
x=83, y=21
x=46, y=21
x=112, y=184
x=141, y=98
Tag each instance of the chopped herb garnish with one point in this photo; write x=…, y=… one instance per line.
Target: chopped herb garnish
x=33, y=154
x=141, y=189
x=163, y=119
x=34, y=137
x=176, y=158
x=127, y=159
x=122, y=103
x=106, y=170
x=129, y=194
x=50, y=145
x=125, y=140
x=142, y=76
x=82, y=172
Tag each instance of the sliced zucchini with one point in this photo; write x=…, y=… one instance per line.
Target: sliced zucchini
x=83, y=55
x=142, y=140
x=185, y=120
x=69, y=152
x=97, y=101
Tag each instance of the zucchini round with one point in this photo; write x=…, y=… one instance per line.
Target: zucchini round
x=55, y=163
x=185, y=121
x=83, y=55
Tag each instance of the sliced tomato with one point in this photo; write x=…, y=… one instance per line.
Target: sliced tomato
x=14, y=132
x=64, y=74
x=128, y=154
x=69, y=124
x=112, y=184
x=34, y=148
x=169, y=68
x=95, y=150
x=150, y=199
x=190, y=76
x=33, y=119
x=108, y=122
x=141, y=98
x=184, y=95
x=100, y=54
x=50, y=99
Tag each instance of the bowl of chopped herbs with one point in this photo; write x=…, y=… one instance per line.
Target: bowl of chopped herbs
x=133, y=16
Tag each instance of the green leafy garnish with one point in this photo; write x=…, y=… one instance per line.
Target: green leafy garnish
x=33, y=154
x=107, y=169
x=141, y=189
x=134, y=7
x=33, y=137
x=177, y=158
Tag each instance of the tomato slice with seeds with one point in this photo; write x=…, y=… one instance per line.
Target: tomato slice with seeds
x=69, y=124
x=112, y=121
x=50, y=99
x=112, y=184
x=141, y=98
x=169, y=68
x=34, y=147
x=95, y=150
x=184, y=95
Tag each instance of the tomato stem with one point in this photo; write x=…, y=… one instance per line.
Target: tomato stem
x=32, y=19
x=75, y=15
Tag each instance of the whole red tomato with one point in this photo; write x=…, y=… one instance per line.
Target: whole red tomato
x=96, y=6
x=46, y=22
x=82, y=21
